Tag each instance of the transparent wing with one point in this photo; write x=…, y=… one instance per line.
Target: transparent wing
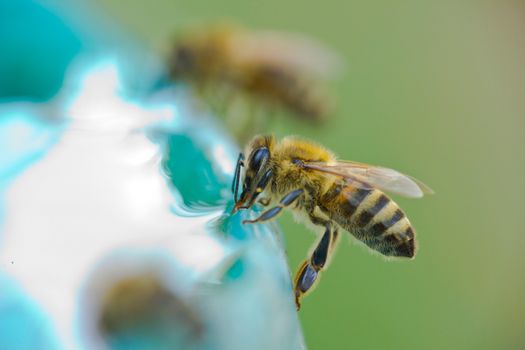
x=366, y=175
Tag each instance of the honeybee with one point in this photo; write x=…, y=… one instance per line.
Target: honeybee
x=336, y=195
x=269, y=69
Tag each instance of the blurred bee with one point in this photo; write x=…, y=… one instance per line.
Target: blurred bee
x=268, y=69
x=330, y=193
x=137, y=303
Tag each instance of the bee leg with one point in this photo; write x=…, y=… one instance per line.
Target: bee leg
x=273, y=212
x=236, y=176
x=316, y=220
x=308, y=272
x=320, y=254
x=304, y=280
x=335, y=236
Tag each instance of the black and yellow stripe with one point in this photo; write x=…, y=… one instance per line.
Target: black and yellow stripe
x=372, y=217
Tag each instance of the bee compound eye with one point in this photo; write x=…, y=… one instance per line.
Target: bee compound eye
x=258, y=157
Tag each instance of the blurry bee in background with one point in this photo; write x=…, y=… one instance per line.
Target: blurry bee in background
x=138, y=303
x=330, y=193
x=244, y=74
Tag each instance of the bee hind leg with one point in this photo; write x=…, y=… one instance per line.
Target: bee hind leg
x=309, y=270
x=273, y=212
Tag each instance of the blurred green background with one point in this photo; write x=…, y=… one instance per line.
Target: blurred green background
x=435, y=89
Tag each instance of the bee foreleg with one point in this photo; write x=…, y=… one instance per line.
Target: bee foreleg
x=309, y=270
x=236, y=176
x=273, y=212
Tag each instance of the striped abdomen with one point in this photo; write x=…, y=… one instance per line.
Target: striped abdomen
x=372, y=217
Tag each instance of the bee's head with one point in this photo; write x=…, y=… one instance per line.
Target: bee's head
x=257, y=174
x=183, y=61
x=196, y=54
